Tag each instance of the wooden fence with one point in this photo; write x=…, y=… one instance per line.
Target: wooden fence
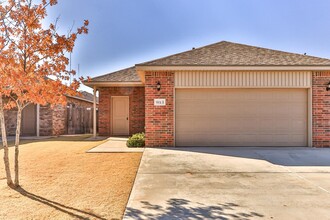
x=80, y=119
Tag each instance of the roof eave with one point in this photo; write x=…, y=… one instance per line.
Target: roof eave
x=92, y=84
x=82, y=99
x=140, y=67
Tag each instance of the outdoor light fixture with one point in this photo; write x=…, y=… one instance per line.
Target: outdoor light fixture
x=158, y=86
x=328, y=86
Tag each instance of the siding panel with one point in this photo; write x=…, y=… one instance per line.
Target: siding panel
x=223, y=79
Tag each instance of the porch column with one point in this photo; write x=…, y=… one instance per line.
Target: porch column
x=94, y=112
x=38, y=120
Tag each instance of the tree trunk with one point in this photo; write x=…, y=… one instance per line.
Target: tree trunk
x=18, y=133
x=5, y=144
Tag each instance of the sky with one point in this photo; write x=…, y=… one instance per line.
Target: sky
x=123, y=33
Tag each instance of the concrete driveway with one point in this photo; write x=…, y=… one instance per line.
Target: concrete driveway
x=232, y=183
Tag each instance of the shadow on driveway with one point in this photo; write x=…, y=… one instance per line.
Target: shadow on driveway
x=285, y=156
x=184, y=209
x=231, y=183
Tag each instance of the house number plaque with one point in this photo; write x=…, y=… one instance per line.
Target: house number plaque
x=159, y=102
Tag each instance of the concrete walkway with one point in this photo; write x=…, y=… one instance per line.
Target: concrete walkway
x=232, y=183
x=114, y=145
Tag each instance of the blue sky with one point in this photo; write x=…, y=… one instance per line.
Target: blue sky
x=125, y=32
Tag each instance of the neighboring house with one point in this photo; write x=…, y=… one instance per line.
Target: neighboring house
x=224, y=94
x=37, y=120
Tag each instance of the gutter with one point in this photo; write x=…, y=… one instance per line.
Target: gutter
x=79, y=98
x=140, y=67
x=92, y=84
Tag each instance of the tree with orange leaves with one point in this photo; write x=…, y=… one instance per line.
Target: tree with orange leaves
x=33, y=64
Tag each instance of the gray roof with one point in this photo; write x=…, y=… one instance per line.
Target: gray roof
x=233, y=54
x=86, y=96
x=125, y=75
x=220, y=54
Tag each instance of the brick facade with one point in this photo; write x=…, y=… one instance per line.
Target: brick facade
x=10, y=121
x=321, y=110
x=159, y=119
x=46, y=120
x=59, y=119
x=136, y=108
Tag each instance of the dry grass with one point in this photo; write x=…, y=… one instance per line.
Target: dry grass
x=60, y=181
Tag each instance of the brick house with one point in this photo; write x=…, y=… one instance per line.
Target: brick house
x=223, y=94
x=37, y=120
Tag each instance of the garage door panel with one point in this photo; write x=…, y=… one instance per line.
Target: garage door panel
x=281, y=125
x=241, y=117
x=215, y=113
x=247, y=110
x=217, y=125
x=185, y=124
x=299, y=125
x=187, y=107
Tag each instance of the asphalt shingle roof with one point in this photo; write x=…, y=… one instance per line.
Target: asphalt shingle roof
x=220, y=54
x=124, y=75
x=88, y=96
x=83, y=95
x=233, y=54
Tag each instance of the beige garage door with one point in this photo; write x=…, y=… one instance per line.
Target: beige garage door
x=241, y=117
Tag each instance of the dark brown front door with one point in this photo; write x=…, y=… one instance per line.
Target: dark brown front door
x=29, y=120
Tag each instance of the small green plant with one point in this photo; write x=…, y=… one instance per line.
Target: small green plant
x=136, y=140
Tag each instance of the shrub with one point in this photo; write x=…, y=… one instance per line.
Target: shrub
x=136, y=140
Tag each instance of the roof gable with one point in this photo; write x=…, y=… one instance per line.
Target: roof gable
x=222, y=54
x=233, y=54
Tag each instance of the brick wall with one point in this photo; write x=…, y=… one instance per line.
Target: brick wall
x=136, y=108
x=59, y=120
x=45, y=120
x=10, y=121
x=321, y=110
x=104, y=111
x=159, y=119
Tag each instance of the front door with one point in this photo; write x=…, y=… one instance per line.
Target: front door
x=120, y=113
